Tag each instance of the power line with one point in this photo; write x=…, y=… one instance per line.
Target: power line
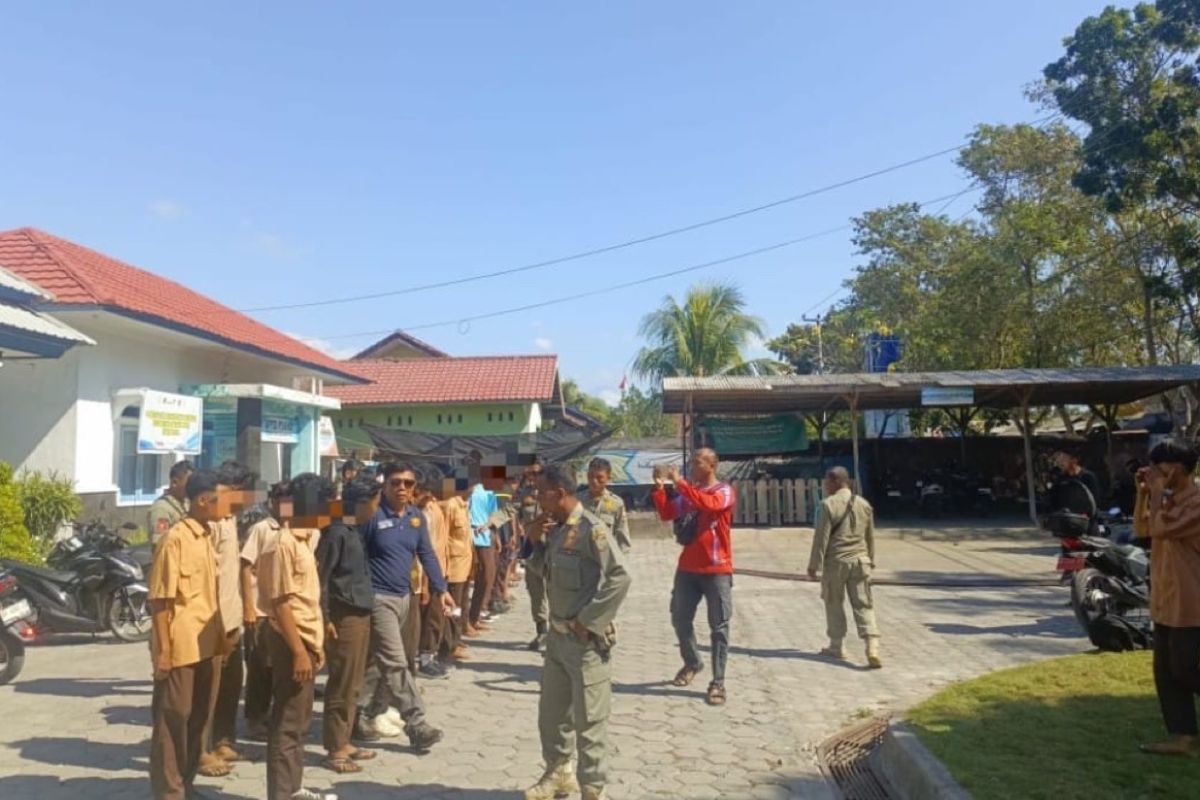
x=620, y=245
x=615, y=287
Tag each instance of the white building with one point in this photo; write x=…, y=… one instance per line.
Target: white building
x=261, y=392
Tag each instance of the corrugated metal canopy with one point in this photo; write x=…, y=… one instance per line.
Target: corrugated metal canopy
x=1007, y=388
x=25, y=331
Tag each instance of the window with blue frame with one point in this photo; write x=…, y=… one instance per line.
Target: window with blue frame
x=139, y=476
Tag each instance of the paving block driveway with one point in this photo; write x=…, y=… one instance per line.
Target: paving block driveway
x=76, y=723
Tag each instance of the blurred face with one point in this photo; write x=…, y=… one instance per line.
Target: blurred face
x=205, y=507
x=550, y=499
x=178, y=485
x=702, y=466
x=1066, y=462
x=399, y=488
x=598, y=480
x=366, y=509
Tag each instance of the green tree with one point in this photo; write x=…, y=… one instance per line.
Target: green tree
x=704, y=335
x=15, y=541
x=589, y=404
x=639, y=415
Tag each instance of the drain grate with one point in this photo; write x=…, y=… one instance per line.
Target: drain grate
x=845, y=758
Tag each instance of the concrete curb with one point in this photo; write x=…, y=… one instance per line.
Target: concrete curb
x=914, y=772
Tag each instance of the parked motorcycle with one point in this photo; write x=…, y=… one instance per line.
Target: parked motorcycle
x=91, y=584
x=16, y=627
x=1110, y=595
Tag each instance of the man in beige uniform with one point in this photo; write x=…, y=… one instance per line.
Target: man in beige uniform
x=843, y=552
x=171, y=507
x=586, y=582
x=604, y=504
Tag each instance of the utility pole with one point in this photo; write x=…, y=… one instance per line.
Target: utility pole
x=816, y=322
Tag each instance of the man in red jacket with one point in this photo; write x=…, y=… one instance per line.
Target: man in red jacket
x=703, y=509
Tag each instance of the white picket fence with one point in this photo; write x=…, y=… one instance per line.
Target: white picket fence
x=775, y=502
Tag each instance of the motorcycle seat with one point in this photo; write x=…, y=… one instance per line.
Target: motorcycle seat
x=52, y=575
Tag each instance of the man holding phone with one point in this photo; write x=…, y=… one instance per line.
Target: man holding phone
x=1168, y=511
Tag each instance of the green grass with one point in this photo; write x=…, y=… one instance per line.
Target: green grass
x=1061, y=729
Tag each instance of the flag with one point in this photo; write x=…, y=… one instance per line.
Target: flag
x=624, y=382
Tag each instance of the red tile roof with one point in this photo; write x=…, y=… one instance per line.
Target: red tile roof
x=77, y=276
x=482, y=379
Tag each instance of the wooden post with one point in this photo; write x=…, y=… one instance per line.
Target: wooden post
x=854, y=438
x=1027, y=435
x=687, y=408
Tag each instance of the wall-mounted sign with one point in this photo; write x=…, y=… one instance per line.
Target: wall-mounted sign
x=755, y=436
x=170, y=423
x=283, y=430
x=326, y=438
x=947, y=396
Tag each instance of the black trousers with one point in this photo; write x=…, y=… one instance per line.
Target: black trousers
x=1177, y=676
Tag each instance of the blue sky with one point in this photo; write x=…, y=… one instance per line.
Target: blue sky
x=273, y=153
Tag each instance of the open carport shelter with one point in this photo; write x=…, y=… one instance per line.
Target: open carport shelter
x=1014, y=390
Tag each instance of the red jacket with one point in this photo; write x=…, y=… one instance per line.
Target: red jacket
x=711, y=552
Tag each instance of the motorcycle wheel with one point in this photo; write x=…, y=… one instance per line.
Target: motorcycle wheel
x=1083, y=583
x=12, y=658
x=129, y=616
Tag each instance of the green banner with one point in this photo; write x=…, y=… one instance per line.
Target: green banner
x=755, y=435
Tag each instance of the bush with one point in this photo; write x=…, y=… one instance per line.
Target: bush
x=47, y=501
x=15, y=541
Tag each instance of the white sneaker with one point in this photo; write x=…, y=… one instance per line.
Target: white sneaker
x=382, y=727
x=309, y=794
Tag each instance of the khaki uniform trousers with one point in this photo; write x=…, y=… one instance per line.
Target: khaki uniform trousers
x=848, y=579
x=574, y=705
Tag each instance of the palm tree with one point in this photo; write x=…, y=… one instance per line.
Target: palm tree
x=704, y=336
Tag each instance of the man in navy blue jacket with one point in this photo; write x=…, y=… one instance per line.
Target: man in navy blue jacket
x=397, y=534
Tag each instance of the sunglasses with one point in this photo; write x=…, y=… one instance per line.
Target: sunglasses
x=402, y=483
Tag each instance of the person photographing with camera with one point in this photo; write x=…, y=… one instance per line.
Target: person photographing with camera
x=1168, y=512
x=702, y=510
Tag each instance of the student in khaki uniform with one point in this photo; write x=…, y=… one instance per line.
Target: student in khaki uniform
x=843, y=553
x=296, y=639
x=604, y=504
x=171, y=508
x=186, y=637
x=586, y=582
x=258, y=551
x=459, y=567
x=233, y=484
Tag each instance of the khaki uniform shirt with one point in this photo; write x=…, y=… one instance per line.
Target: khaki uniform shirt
x=611, y=510
x=1173, y=526
x=460, y=543
x=852, y=540
x=259, y=552
x=165, y=512
x=586, y=579
x=184, y=576
x=229, y=573
x=294, y=576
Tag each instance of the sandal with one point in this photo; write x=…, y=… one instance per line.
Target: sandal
x=685, y=676
x=360, y=754
x=341, y=765
x=716, y=694
x=215, y=769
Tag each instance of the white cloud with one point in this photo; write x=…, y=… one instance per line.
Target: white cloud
x=274, y=246
x=542, y=343
x=166, y=209
x=332, y=349
x=611, y=397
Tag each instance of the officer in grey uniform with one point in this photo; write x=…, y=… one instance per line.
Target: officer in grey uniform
x=843, y=554
x=528, y=511
x=586, y=582
x=601, y=501
x=171, y=507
